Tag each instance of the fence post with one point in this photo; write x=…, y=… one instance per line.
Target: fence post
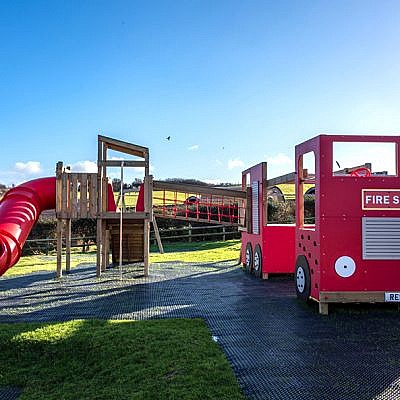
x=223, y=233
x=190, y=233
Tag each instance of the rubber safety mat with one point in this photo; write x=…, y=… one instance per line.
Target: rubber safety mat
x=278, y=347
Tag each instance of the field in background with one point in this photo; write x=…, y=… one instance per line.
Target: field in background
x=184, y=252
x=158, y=195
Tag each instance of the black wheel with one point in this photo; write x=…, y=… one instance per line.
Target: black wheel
x=302, y=278
x=257, y=261
x=249, y=257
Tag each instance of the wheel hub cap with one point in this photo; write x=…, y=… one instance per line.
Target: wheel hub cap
x=256, y=261
x=300, y=279
x=248, y=258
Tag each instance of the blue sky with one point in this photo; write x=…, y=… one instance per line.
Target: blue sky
x=233, y=83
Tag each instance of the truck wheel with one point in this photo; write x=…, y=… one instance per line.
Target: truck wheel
x=302, y=278
x=249, y=257
x=257, y=261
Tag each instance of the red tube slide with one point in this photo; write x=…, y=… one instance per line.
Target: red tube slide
x=19, y=210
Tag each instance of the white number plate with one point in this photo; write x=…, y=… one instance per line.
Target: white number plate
x=392, y=296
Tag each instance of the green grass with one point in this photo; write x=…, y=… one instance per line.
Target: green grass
x=198, y=252
x=184, y=252
x=92, y=359
x=35, y=263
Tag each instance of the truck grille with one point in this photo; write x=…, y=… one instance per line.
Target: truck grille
x=380, y=238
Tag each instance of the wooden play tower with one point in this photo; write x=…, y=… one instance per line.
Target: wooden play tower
x=89, y=195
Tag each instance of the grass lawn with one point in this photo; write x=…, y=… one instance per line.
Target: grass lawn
x=93, y=359
x=184, y=252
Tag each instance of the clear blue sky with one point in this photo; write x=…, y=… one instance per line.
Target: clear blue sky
x=244, y=81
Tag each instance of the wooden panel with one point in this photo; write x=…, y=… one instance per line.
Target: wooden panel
x=59, y=167
x=352, y=297
x=127, y=163
x=132, y=242
x=124, y=147
x=188, y=188
x=83, y=192
x=287, y=178
x=93, y=195
x=74, y=196
x=65, y=194
x=127, y=216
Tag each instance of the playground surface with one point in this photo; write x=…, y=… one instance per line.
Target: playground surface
x=278, y=347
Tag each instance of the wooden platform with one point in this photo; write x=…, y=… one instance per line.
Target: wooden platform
x=132, y=241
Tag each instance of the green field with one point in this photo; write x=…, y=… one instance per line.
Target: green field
x=93, y=359
x=185, y=252
x=158, y=198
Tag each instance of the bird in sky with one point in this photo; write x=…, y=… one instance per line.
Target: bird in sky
x=168, y=138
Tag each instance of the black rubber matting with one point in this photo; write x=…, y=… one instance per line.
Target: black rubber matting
x=10, y=393
x=278, y=348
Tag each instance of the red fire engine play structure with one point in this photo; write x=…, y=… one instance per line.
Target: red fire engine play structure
x=352, y=251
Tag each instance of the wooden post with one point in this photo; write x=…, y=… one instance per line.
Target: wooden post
x=157, y=235
x=59, y=247
x=190, y=233
x=324, y=308
x=223, y=233
x=104, y=251
x=68, y=245
x=99, y=205
x=107, y=248
x=99, y=246
x=146, y=246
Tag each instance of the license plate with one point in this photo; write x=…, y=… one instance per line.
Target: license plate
x=392, y=297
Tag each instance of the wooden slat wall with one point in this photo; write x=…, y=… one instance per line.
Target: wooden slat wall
x=77, y=195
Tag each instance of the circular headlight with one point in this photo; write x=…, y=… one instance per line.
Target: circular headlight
x=345, y=266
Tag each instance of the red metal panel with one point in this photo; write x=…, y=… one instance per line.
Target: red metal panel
x=338, y=228
x=278, y=249
x=277, y=242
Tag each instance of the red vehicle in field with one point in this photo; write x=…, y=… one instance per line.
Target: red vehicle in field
x=352, y=251
x=266, y=248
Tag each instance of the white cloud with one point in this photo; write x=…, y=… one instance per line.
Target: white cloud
x=194, y=147
x=279, y=159
x=30, y=167
x=84, y=166
x=235, y=163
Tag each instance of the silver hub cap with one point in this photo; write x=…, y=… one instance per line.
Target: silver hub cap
x=300, y=279
x=256, y=261
x=248, y=258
